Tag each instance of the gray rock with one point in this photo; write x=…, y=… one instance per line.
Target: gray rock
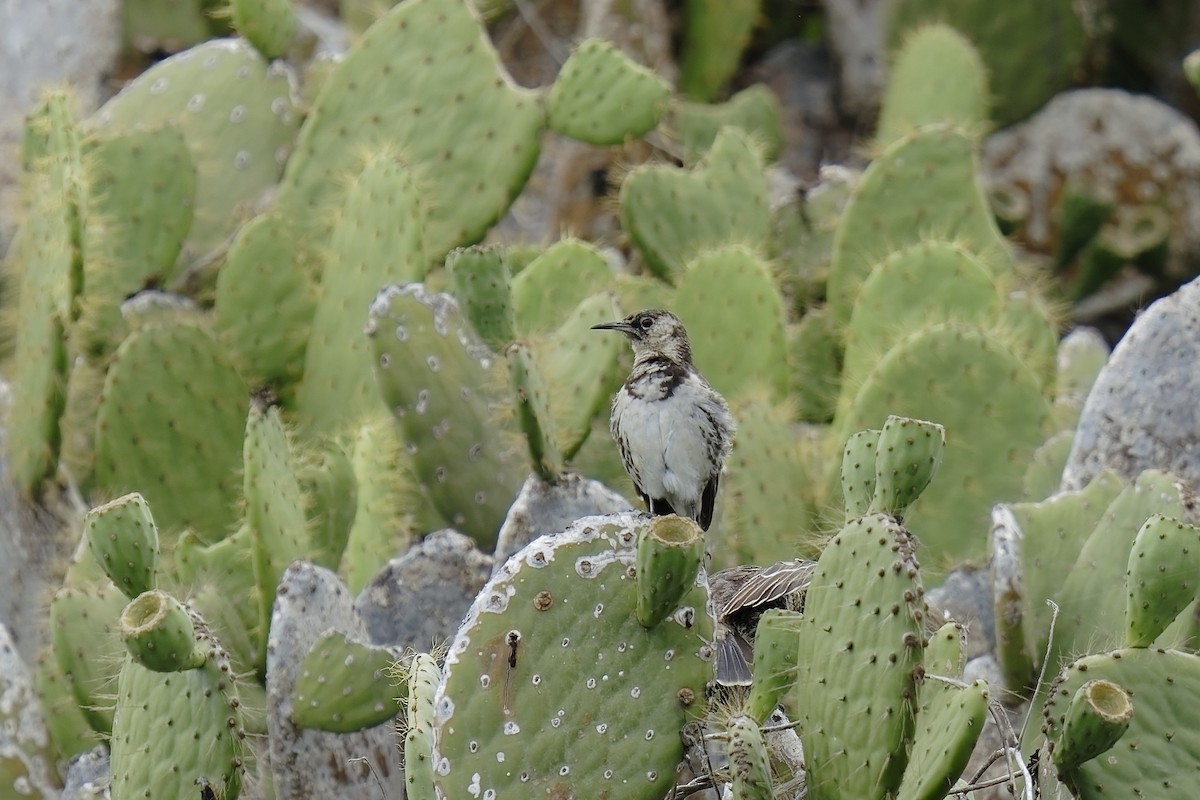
x=24, y=740
x=88, y=776
x=308, y=763
x=543, y=508
x=1142, y=411
x=421, y=597
x=966, y=597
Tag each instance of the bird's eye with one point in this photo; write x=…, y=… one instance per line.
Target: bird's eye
x=646, y=323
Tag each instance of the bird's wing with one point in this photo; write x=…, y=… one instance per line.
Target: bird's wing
x=772, y=584
x=707, y=501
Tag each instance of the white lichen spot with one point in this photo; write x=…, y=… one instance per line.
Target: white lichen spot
x=279, y=105
x=635, y=692
x=536, y=680
x=524, y=776
x=473, y=746
x=564, y=770
x=474, y=452
x=474, y=787
x=480, y=498
x=422, y=404
x=649, y=734
x=608, y=773
x=602, y=728
x=485, y=681
x=443, y=766
x=555, y=722
x=490, y=794
x=237, y=114
x=401, y=333
x=241, y=159
x=705, y=652
x=210, y=62
x=667, y=656
x=622, y=647
x=432, y=362
x=243, y=72
x=500, y=757
x=566, y=642
x=511, y=728
x=440, y=430
x=590, y=683
x=159, y=86
x=441, y=473
x=195, y=102
x=685, y=616
x=445, y=709
x=652, y=776
x=598, y=610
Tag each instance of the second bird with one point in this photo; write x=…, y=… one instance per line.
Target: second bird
x=674, y=430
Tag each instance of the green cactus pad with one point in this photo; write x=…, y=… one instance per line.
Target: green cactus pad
x=139, y=211
x=77, y=454
x=945, y=654
x=776, y=648
x=480, y=279
x=1090, y=607
x=994, y=414
x=219, y=579
x=377, y=237
x=326, y=477
x=159, y=633
x=265, y=300
x=533, y=412
x=581, y=370
x=748, y=760
x=923, y=186
x=859, y=647
x=546, y=291
x=44, y=264
x=269, y=25
x=1029, y=326
x=1157, y=755
x=858, y=472
x=907, y=457
x=755, y=110
x=344, y=686
x=1162, y=578
x=603, y=98
x=937, y=77
x=916, y=286
x=70, y=732
x=124, y=539
x=534, y=704
x=174, y=732
x=669, y=553
x=715, y=33
x=673, y=215
x=171, y=391
x=1053, y=36
x=815, y=365
x=88, y=648
x=1033, y=546
x=1096, y=718
x=426, y=79
x=440, y=383
x=762, y=512
x=237, y=115
x=424, y=678
x=1081, y=355
x=274, y=506
x=384, y=524
x=947, y=731
x=1043, y=476
x=735, y=320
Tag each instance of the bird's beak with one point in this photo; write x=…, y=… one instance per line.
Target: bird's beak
x=622, y=326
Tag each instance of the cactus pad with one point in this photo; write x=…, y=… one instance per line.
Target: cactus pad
x=603, y=98
x=554, y=283
x=1163, y=577
x=907, y=457
x=480, y=280
x=344, y=686
x=536, y=701
x=159, y=633
x=124, y=539
x=169, y=391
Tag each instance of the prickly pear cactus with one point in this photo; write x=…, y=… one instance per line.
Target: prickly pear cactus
x=603, y=98
x=124, y=540
x=860, y=646
x=715, y=33
x=672, y=215
x=937, y=77
x=735, y=320
x=424, y=678
x=439, y=382
x=377, y=237
x=923, y=186
x=237, y=115
x=269, y=25
x=533, y=412
x=755, y=110
x=344, y=686
x=171, y=390
x=554, y=283
x=536, y=702
x=1162, y=578
x=470, y=132
x=480, y=278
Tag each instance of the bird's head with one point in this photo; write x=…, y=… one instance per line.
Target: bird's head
x=654, y=332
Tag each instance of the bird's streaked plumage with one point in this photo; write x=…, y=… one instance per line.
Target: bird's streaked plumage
x=674, y=430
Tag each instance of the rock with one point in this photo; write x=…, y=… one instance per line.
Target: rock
x=542, y=508
x=25, y=763
x=1142, y=412
x=310, y=763
x=421, y=597
x=87, y=775
x=966, y=597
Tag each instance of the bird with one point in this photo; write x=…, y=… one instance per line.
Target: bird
x=673, y=429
